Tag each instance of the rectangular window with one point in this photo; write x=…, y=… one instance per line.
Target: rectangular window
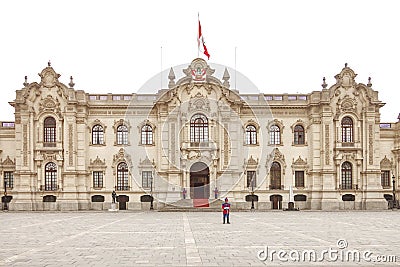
x=147, y=179
x=9, y=179
x=299, y=178
x=98, y=179
x=385, y=178
x=251, y=179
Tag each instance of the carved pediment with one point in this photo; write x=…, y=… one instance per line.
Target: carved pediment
x=251, y=162
x=49, y=78
x=300, y=162
x=98, y=162
x=8, y=162
x=386, y=163
x=122, y=156
x=346, y=78
x=146, y=162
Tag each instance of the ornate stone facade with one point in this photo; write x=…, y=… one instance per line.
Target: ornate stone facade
x=198, y=135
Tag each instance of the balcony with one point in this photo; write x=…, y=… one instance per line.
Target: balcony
x=348, y=187
x=53, y=144
x=49, y=187
x=204, y=144
x=276, y=187
x=122, y=188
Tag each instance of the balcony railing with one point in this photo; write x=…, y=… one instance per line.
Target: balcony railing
x=347, y=144
x=49, y=187
x=276, y=187
x=50, y=144
x=122, y=188
x=348, y=187
x=199, y=144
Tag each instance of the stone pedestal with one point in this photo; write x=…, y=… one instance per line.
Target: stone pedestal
x=113, y=207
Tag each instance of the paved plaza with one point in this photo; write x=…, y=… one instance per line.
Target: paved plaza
x=198, y=238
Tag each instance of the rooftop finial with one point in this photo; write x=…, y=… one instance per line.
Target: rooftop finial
x=226, y=78
x=49, y=63
x=71, y=83
x=324, y=84
x=369, y=84
x=345, y=65
x=171, y=77
x=26, y=81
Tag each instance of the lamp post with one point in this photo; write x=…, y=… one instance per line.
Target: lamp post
x=394, y=191
x=252, y=194
x=151, y=194
x=5, y=195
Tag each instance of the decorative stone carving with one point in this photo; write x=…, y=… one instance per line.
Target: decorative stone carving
x=199, y=102
x=327, y=145
x=276, y=155
x=370, y=145
x=8, y=162
x=386, y=163
x=49, y=78
x=121, y=156
x=25, y=144
x=50, y=104
x=146, y=162
x=346, y=78
x=346, y=105
x=251, y=163
x=226, y=78
x=97, y=164
x=171, y=77
x=70, y=144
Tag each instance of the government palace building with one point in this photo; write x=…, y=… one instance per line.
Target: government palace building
x=198, y=141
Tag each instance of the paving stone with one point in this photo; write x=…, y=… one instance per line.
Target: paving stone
x=191, y=238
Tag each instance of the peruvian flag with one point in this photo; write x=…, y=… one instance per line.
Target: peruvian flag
x=201, y=43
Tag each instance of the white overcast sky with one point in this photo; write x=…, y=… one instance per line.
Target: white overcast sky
x=282, y=46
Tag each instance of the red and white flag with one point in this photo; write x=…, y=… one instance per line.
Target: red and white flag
x=201, y=43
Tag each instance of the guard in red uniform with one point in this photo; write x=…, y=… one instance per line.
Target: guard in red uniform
x=225, y=210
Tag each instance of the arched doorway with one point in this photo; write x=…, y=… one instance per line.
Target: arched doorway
x=199, y=181
x=276, y=202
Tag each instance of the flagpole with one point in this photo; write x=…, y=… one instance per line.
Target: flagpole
x=161, y=69
x=198, y=40
x=235, y=67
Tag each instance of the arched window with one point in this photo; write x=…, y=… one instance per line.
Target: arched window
x=347, y=130
x=147, y=135
x=122, y=135
x=97, y=135
x=122, y=176
x=298, y=135
x=251, y=135
x=49, y=130
x=199, y=128
x=50, y=176
x=275, y=135
x=347, y=176
x=275, y=175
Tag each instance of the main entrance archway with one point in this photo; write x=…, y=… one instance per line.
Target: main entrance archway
x=199, y=181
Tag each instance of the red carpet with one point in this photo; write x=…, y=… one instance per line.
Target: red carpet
x=200, y=203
